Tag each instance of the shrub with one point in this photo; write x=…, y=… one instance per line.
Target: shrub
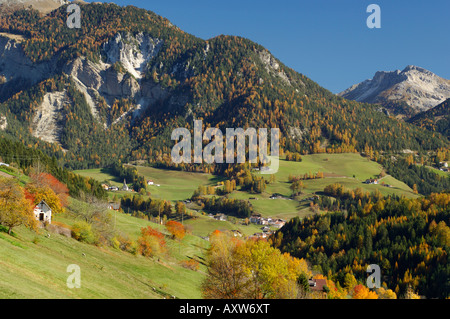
x=124, y=244
x=82, y=231
x=151, y=242
x=190, y=264
x=149, y=246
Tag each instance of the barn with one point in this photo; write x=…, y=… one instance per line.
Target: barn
x=43, y=212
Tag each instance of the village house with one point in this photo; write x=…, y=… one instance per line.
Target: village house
x=114, y=206
x=4, y=164
x=113, y=189
x=318, y=287
x=43, y=212
x=371, y=181
x=150, y=182
x=277, y=223
x=254, y=219
x=258, y=236
x=105, y=187
x=236, y=233
x=317, y=284
x=220, y=217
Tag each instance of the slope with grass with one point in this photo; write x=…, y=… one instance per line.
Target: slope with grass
x=350, y=170
x=175, y=185
x=35, y=266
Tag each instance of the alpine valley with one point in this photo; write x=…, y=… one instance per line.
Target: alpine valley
x=86, y=117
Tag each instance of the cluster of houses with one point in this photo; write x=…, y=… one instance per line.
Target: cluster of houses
x=113, y=188
x=265, y=222
x=261, y=235
x=375, y=181
x=256, y=219
x=151, y=183
x=371, y=181
x=125, y=187
x=275, y=222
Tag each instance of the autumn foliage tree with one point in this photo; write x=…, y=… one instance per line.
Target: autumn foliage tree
x=48, y=195
x=15, y=208
x=177, y=230
x=362, y=292
x=296, y=187
x=151, y=242
x=251, y=269
x=60, y=189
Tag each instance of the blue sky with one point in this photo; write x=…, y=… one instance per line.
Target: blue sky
x=326, y=40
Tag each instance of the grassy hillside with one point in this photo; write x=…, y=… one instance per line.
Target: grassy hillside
x=350, y=170
x=175, y=185
x=34, y=265
x=38, y=270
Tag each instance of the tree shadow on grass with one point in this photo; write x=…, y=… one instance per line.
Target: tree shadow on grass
x=106, y=170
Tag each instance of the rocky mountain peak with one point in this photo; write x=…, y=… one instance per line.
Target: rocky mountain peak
x=415, y=88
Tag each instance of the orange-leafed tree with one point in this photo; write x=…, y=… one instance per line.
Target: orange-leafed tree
x=47, y=194
x=151, y=242
x=59, y=188
x=177, y=230
x=362, y=292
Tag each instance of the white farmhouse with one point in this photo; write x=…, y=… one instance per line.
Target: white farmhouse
x=43, y=212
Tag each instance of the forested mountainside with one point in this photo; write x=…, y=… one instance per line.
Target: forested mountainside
x=407, y=238
x=115, y=88
x=436, y=119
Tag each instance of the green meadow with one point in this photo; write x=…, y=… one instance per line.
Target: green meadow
x=35, y=266
x=175, y=185
x=349, y=169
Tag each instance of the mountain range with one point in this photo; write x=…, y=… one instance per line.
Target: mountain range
x=405, y=93
x=114, y=89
